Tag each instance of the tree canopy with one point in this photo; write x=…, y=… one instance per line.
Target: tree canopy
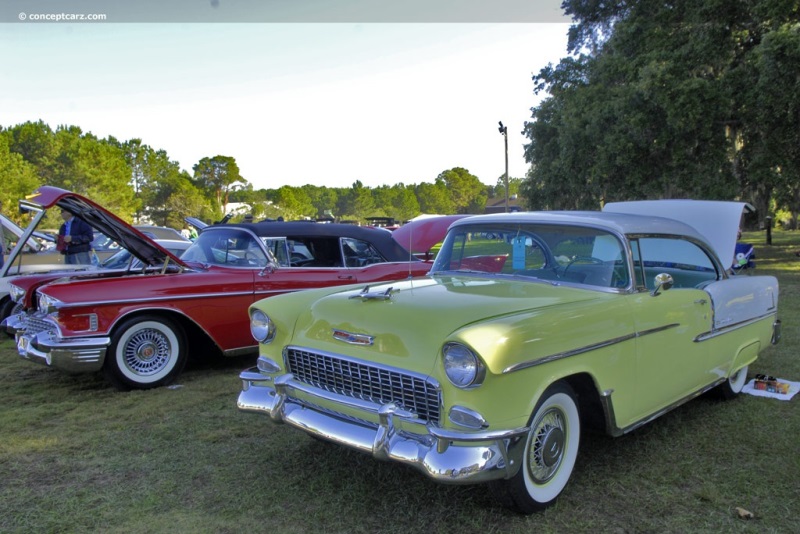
x=675, y=99
x=142, y=184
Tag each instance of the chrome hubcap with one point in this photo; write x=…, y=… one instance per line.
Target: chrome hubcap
x=147, y=352
x=547, y=446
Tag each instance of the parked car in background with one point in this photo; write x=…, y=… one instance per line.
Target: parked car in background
x=37, y=242
x=34, y=251
x=141, y=329
x=123, y=262
x=530, y=328
x=160, y=232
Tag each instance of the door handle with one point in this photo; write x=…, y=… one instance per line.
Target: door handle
x=346, y=277
x=702, y=302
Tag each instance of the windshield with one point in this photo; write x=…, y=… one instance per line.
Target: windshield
x=232, y=247
x=574, y=254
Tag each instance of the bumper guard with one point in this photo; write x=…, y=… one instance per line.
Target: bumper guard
x=448, y=456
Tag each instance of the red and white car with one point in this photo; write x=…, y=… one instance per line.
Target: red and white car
x=141, y=327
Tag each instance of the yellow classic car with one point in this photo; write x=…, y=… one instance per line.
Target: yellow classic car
x=530, y=328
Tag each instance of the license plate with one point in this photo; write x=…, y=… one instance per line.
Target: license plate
x=22, y=345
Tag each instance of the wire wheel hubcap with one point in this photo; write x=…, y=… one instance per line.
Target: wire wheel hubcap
x=147, y=352
x=547, y=446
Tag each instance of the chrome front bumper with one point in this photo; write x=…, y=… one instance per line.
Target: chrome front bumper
x=78, y=355
x=387, y=432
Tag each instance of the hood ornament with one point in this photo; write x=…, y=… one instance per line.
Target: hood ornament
x=353, y=339
x=365, y=294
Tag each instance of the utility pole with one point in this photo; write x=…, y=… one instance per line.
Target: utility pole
x=504, y=132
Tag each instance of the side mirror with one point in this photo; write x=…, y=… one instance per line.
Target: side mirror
x=269, y=268
x=663, y=282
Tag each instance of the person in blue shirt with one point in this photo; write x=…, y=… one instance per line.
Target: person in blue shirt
x=75, y=239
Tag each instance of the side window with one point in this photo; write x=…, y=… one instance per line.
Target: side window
x=591, y=257
x=688, y=264
x=314, y=251
x=359, y=253
x=279, y=249
x=229, y=247
x=299, y=253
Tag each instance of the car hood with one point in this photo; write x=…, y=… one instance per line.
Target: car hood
x=421, y=314
x=30, y=283
x=141, y=246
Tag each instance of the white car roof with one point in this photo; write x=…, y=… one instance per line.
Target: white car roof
x=713, y=222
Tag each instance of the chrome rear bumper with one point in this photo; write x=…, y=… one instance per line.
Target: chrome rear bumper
x=385, y=431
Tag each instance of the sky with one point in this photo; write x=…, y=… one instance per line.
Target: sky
x=323, y=103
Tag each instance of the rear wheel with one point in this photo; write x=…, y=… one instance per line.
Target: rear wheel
x=734, y=384
x=550, y=453
x=145, y=352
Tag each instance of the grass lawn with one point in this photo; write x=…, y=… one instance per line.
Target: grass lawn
x=77, y=456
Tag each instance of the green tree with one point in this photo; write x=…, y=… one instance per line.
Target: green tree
x=467, y=193
x=654, y=103
x=356, y=203
x=434, y=199
x=218, y=176
x=35, y=142
x=293, y=203
x=17, y=176
x=322, y=198
x=181, y=199
x=397, y=201
x=768, y=159
x=92, y=167
x=499, y=190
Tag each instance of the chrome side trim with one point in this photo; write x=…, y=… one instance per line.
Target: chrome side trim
x=611, y=420
x=169, y=298
x=587, y=348
x=731, y=327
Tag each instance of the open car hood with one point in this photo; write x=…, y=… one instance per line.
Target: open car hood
x=101, y=220
x=421, y=234
x=717, y=221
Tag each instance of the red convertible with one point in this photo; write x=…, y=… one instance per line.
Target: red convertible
x=140, y=327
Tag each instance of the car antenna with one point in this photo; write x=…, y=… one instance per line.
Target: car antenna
x=410, y=254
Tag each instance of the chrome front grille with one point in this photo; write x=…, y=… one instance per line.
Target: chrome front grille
x=34, y=325
x=367, y=382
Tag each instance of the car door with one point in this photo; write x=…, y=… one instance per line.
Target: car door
x=671, y=363
x=311, y=262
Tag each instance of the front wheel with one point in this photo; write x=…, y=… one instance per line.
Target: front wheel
x=9, y=308
x=145, y=352
x=550, y=453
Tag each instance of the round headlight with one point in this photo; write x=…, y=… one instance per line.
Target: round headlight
x=48, y=304
x=462, y=366
x=16, y=293
x=261, y=326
